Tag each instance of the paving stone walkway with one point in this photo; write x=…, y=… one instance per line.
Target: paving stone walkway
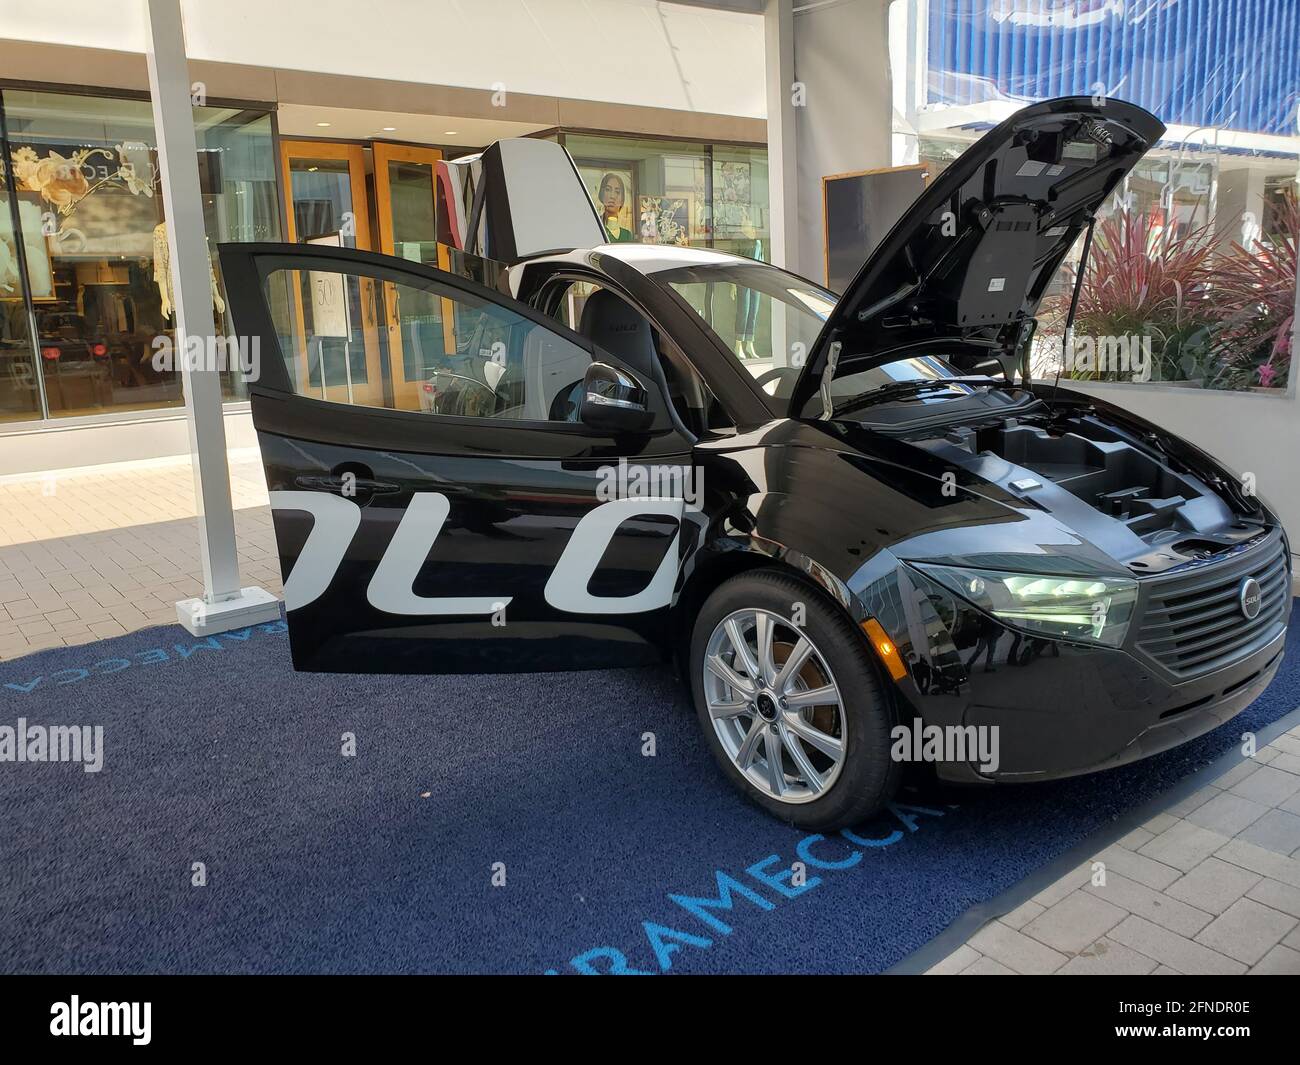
x=97, y=552
x=1210, y=886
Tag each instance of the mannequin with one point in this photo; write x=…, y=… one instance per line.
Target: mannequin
x=747, y=301
x=162, y=273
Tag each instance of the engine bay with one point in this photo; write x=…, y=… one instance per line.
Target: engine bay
x=1058, y=461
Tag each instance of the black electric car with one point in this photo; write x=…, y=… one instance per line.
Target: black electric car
x=548, y=453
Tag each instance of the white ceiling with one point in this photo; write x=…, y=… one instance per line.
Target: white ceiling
x=345, y=123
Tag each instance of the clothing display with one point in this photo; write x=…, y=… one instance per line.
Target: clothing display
x=107, y=309
x=747, y=300
x=162, y=272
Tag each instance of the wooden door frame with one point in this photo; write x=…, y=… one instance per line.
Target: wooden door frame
x=826, y=237
x=354, y=155
x=382, y=153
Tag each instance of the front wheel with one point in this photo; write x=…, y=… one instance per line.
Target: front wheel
x=790, y=704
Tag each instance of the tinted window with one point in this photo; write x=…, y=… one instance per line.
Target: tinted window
x=351, y=337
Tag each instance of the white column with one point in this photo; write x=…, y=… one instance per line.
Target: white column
x=782, y=146
x=908, y=34
x=224, y=604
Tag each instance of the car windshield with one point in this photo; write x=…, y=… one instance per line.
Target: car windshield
x=768, y=320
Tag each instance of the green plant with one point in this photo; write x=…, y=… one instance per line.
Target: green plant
x=1142, y=280
x=1222, y=317
x=1254, y=296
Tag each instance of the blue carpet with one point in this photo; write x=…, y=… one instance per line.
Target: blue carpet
x=215, y=752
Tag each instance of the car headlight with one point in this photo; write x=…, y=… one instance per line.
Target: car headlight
x=1089, y=609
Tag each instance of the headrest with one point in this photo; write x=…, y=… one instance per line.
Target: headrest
x=611, y=323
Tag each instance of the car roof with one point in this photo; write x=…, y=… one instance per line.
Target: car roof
x=647, y=258
x=651, y=258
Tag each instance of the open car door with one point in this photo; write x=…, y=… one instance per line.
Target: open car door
x=467, y=527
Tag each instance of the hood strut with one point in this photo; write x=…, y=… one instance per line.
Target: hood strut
x=1067, y=335
x=832, y=360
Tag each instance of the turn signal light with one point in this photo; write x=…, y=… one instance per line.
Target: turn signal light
x=885, y=648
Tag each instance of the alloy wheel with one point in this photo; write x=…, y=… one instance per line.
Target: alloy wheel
x=774, y=705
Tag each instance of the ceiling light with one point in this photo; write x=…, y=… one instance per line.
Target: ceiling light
x=322, y=123
x=451, y=133
x=390, y=129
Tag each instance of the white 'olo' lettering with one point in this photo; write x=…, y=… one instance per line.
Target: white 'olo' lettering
x=335, y=521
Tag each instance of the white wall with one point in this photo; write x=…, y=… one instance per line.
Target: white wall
x=618, y=51
x=1250, y=432
x=61, y=447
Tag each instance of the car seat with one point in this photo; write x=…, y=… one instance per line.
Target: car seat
x=615, y=326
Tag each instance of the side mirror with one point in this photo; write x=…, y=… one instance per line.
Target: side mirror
x=613, y=400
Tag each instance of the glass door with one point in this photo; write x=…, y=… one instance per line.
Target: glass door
x=405, y=183
x=327, y=203
x=421, y=339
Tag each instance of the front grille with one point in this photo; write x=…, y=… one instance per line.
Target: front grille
x=1192, y=624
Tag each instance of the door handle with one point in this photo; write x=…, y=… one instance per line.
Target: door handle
x=344, y=484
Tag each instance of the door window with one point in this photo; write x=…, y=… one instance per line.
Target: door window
x=441, y=350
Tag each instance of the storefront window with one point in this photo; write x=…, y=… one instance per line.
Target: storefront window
x=19, y=397
x=92, y=219
x=652, y=192
x=671, y=192
x=740, y=203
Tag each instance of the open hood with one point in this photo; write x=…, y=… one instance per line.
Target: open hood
x=966, y=266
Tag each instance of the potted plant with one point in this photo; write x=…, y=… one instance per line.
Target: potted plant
x=1254, y=297
x=1145, y=280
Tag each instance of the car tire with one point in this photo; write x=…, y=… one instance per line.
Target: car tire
x=865, y=777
